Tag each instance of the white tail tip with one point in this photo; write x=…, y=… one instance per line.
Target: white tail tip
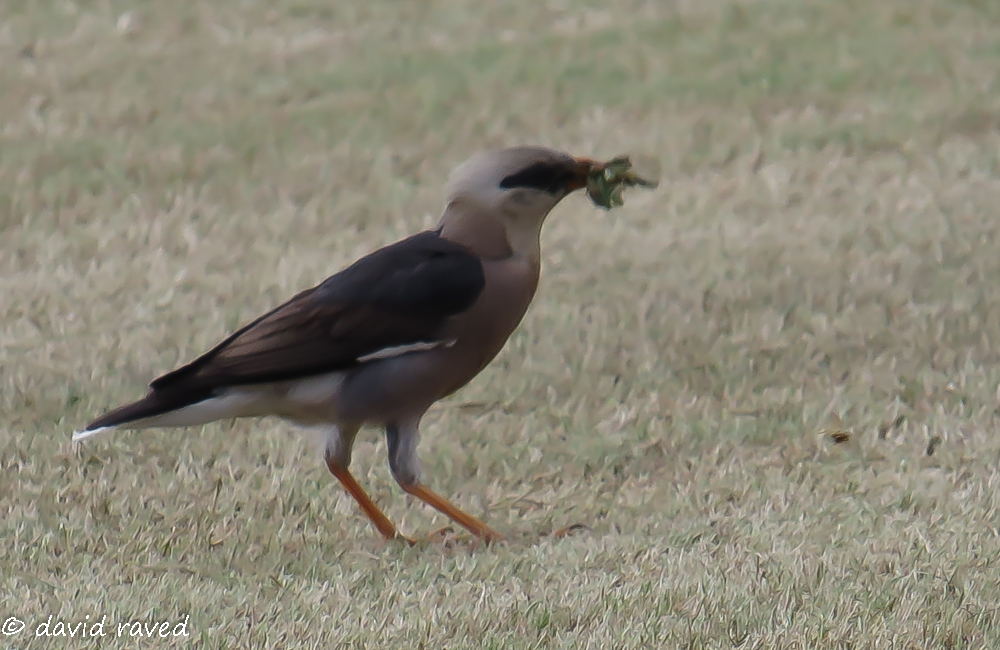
x=86, y=433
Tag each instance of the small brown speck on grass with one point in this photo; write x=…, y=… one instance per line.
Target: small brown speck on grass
x=839, y=437
x=885, y=427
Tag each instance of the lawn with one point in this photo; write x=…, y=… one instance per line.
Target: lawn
x=770, y=389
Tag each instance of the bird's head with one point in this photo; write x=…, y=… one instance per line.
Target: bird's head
x=498, y=200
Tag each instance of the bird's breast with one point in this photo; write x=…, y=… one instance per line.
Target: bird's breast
x=385, y=390
x=482, y=331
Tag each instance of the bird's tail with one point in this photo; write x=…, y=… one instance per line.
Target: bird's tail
x=140, y=414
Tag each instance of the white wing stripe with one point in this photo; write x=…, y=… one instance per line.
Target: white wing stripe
x=397, y=350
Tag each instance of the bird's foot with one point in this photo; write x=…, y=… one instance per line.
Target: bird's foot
x=448, y=537
x=397, y=538
x=569, y=530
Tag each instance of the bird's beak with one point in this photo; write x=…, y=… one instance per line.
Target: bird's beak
x=581, y=172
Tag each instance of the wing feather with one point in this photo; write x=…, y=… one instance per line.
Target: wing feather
x=401, y=295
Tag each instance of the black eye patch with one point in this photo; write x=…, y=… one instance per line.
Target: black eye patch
x=545, y=176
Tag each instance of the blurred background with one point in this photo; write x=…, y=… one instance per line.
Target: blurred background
x=769, y=388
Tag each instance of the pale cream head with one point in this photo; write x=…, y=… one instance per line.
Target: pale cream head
x=497, y=201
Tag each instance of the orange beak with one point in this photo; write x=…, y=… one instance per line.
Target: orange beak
x=582, y=171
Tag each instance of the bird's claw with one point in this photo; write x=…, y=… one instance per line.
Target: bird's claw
x=569, y=530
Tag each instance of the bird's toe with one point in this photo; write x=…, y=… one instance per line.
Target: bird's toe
x=570, y=530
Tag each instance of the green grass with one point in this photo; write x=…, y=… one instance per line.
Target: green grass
x=821, y=256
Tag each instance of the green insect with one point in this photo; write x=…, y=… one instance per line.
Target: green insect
x=606, y=182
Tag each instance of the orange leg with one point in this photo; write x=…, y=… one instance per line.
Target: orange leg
x=380, y=521
x=467, y=521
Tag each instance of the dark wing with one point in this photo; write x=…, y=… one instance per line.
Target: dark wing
x=400, y=295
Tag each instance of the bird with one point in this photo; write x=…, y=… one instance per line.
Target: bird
x=380, y=342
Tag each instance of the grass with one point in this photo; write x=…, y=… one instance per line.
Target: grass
x=821, y=258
